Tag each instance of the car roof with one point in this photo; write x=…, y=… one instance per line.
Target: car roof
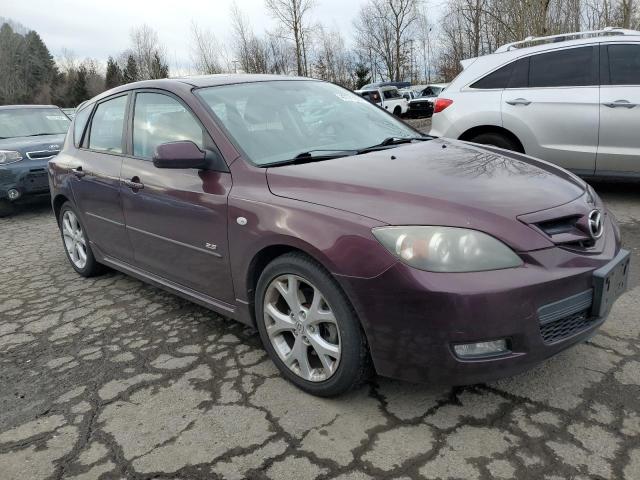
x=20, y=107
x=200, y=81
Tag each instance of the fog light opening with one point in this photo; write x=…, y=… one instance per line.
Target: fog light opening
x=481, y=349
x=13, y=194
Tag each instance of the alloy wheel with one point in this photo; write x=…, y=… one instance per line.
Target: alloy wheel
x=74, y=240
x=302, y=327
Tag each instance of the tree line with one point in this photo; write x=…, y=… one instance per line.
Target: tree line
x=395, y=40
x=29, y=74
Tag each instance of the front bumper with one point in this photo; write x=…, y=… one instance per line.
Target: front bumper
x=28, y=177
x=413, y=318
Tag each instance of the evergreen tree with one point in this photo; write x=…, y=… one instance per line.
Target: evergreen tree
x=362, y=75
x=113, y=76
x=79, y=91
x=130, y=73
x=157, y=68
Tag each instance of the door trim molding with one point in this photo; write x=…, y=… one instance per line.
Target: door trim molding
x=175, y=242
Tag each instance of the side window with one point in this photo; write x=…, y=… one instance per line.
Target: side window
x=106, y=126
x=572, y=67
x=520, y=74
x=79, y=122
x=158, y=119
x=497, y=79
x=624, y=64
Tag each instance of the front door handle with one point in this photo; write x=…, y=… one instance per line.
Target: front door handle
x=620, y=104
x=78, y=172
x=519, y=101
x=134, y=183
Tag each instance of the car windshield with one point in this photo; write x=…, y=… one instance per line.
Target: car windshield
x=278, y=120
x=26, y=122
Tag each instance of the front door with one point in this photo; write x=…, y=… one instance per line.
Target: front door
x=619, y=143
x=96, y=186
x=555, y=115
x=176, y=218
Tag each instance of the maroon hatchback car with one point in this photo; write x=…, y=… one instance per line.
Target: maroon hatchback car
x=351, y=241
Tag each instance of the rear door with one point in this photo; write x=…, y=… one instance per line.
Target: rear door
x=552, y=106
x=619, y=142
x=96, y=184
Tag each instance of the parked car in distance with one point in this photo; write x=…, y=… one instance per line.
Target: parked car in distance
x=346, y=237
x=388, y=98
x=30, y=135
x=398, y=85
x=571, y=99
x=422, y=104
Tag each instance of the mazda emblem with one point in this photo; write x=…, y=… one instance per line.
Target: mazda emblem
x=596, y=226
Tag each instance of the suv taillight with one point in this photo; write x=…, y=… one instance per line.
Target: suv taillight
x=441, y=104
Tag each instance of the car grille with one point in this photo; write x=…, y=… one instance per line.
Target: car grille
x=565, y=318
x=566, y=327
x=42, y=154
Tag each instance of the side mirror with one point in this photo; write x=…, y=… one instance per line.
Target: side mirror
x=186, y=154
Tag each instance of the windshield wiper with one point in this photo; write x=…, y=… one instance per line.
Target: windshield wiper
x=41, y=134
x=391, y=141
x=307, y=157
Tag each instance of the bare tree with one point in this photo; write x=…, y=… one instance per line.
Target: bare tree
x=149, y=55
x=205, y=50
x=333, y=62
x=292, y=14
x=384, y=30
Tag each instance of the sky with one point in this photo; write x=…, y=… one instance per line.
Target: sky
x=98, y=29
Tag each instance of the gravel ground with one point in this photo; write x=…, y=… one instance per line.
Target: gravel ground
x=112, y=378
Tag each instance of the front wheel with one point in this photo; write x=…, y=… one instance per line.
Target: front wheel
x=397, y=111
x=309, y=328
x=76, y=243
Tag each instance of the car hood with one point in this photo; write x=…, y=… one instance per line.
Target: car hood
x=438, y=182
x=23, y=145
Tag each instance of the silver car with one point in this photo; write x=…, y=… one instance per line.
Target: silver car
x=570, y=99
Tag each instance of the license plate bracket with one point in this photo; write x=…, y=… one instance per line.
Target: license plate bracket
x=609, y=282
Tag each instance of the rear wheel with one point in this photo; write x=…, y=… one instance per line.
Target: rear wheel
x=309, y=328
x=6, y=208
x=497, y=140
x=397, y=111
x=76, y=243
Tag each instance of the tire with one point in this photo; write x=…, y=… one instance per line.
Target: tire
x=7, y=208
x=497, y=140
x=90, y=267
x=300, y=332
x=397, y=111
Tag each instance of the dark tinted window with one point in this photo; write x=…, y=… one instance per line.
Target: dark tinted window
x=520, y=74
x=498, y=79
x=159, y=119
x=624, y=64
x=106, y=126
x=391, y=94
x=80, y=121
x=564, y=68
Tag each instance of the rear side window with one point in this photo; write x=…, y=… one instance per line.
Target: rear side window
x=388, y=94
x=624, y=64
x=107, y=125
x=159, y=119
x=573, y=67
x=498, y=79
x=79, y=122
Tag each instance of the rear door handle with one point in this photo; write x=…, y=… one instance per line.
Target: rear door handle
x=134, y=183
x=519, y=101
x=78, y=172
x=620, y=104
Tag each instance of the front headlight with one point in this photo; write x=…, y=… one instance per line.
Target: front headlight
x=446, y=249
x=9, y=156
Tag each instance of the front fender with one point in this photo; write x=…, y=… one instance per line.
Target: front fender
x=341, y=241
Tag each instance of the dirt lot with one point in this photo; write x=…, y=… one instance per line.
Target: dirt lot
x=110, y=377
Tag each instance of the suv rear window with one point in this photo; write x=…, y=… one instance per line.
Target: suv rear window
x=624, y=64
x=572, y=67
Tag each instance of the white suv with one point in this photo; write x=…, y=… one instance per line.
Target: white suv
x=571, y=99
